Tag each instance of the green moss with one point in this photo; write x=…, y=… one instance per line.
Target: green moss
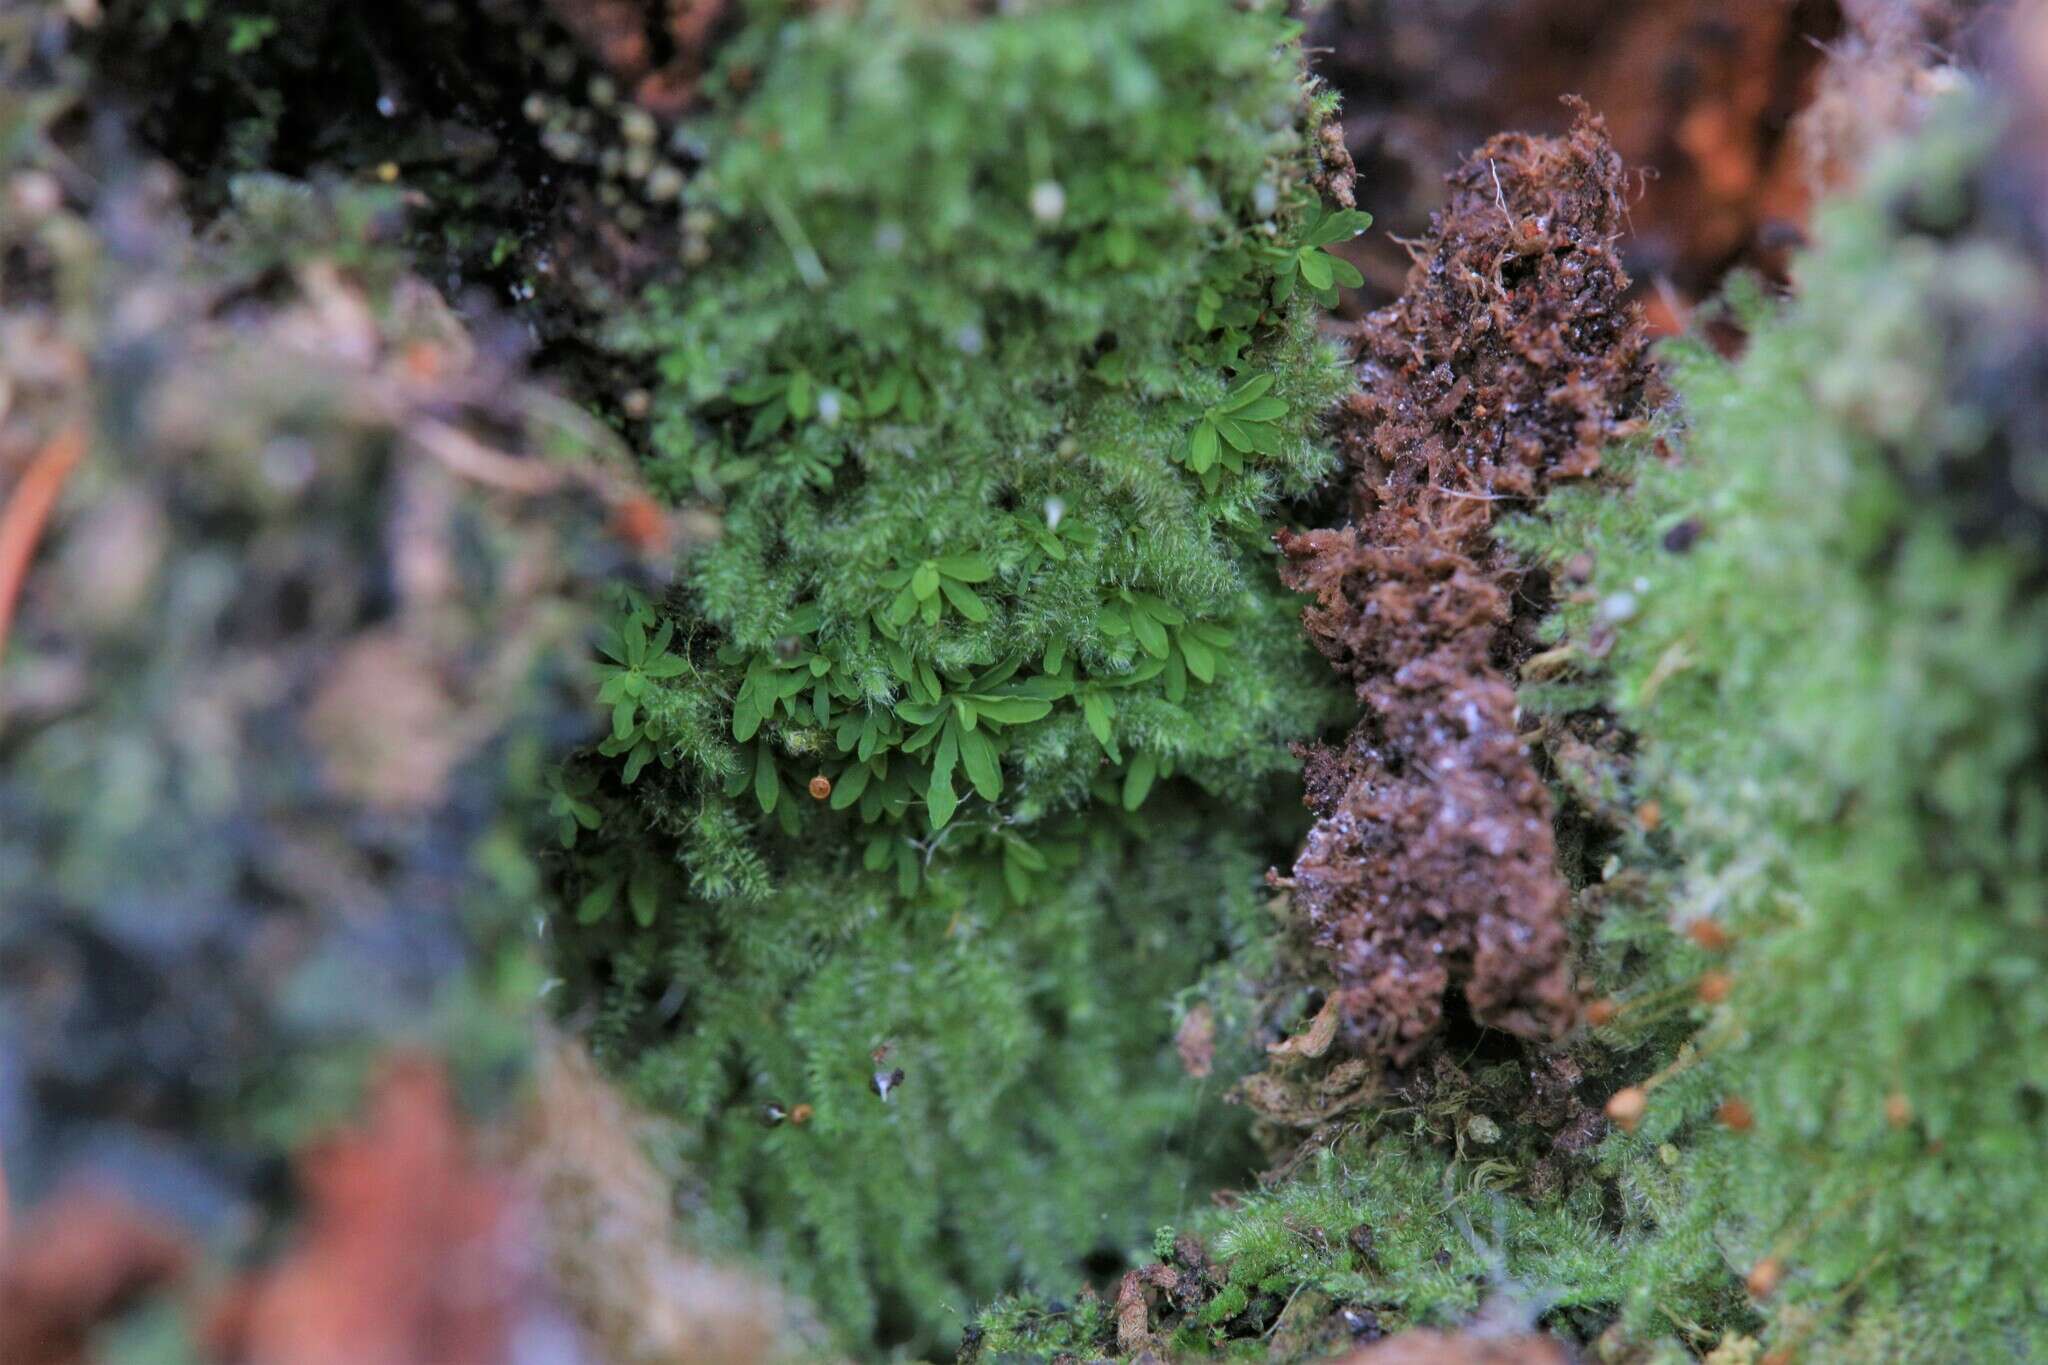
x=1840, y=703
x=1833, y=665
x=1002, y=355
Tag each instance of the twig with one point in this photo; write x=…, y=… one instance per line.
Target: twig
x=477, y=462
x=26, y=512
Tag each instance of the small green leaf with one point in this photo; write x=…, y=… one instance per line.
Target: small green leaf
x=1201, y=663
x=906, y=869
x=1347, y=274
x=1264, y=436
x=1024, y=855
x=642, y=753
x=598, y=901
x=965, y=600
x=623, y=712
x=924, y=581
x=667, y=666
x=1013, y=710
x=1315, y=268
x=1244, y=391
x=1120, y=244
x=1339, y=226
x=1163, y=612
x=1234, y=432
x=768, y=420
x=642, y=894
x=767, y=785
x=984, y=769
x=1151, y=635
x=799, y=395
x=1055, y=655
x=1095, y=710
x=850, y=784
x=757, y=391
x=918, y=712
x=1113, y=620
x=882, y=396
x=966, y=568
x=1138, y=780
x=1202, y=447
x=940, y=802
x=1261, y=410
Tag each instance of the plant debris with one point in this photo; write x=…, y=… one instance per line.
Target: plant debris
x=1425, y=1347
x=1510, y=362
x=1700, y=93
x=658, y=47
x=85, y=1256
x=413, y=1253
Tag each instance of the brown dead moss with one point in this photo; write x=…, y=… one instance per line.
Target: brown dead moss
x=1506, y=367
x=1698, y=93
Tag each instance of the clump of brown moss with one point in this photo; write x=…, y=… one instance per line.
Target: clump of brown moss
x=1509, y=363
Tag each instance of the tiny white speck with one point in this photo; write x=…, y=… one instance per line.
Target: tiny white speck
x=1048, y=201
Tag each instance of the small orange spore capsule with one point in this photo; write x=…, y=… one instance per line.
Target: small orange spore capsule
x=1707, y=934
x=1736, y=1115
x=639, y=521
x=821, y=787
x=1627, y=1106
x=1714, y=987
x=1764, y=1276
